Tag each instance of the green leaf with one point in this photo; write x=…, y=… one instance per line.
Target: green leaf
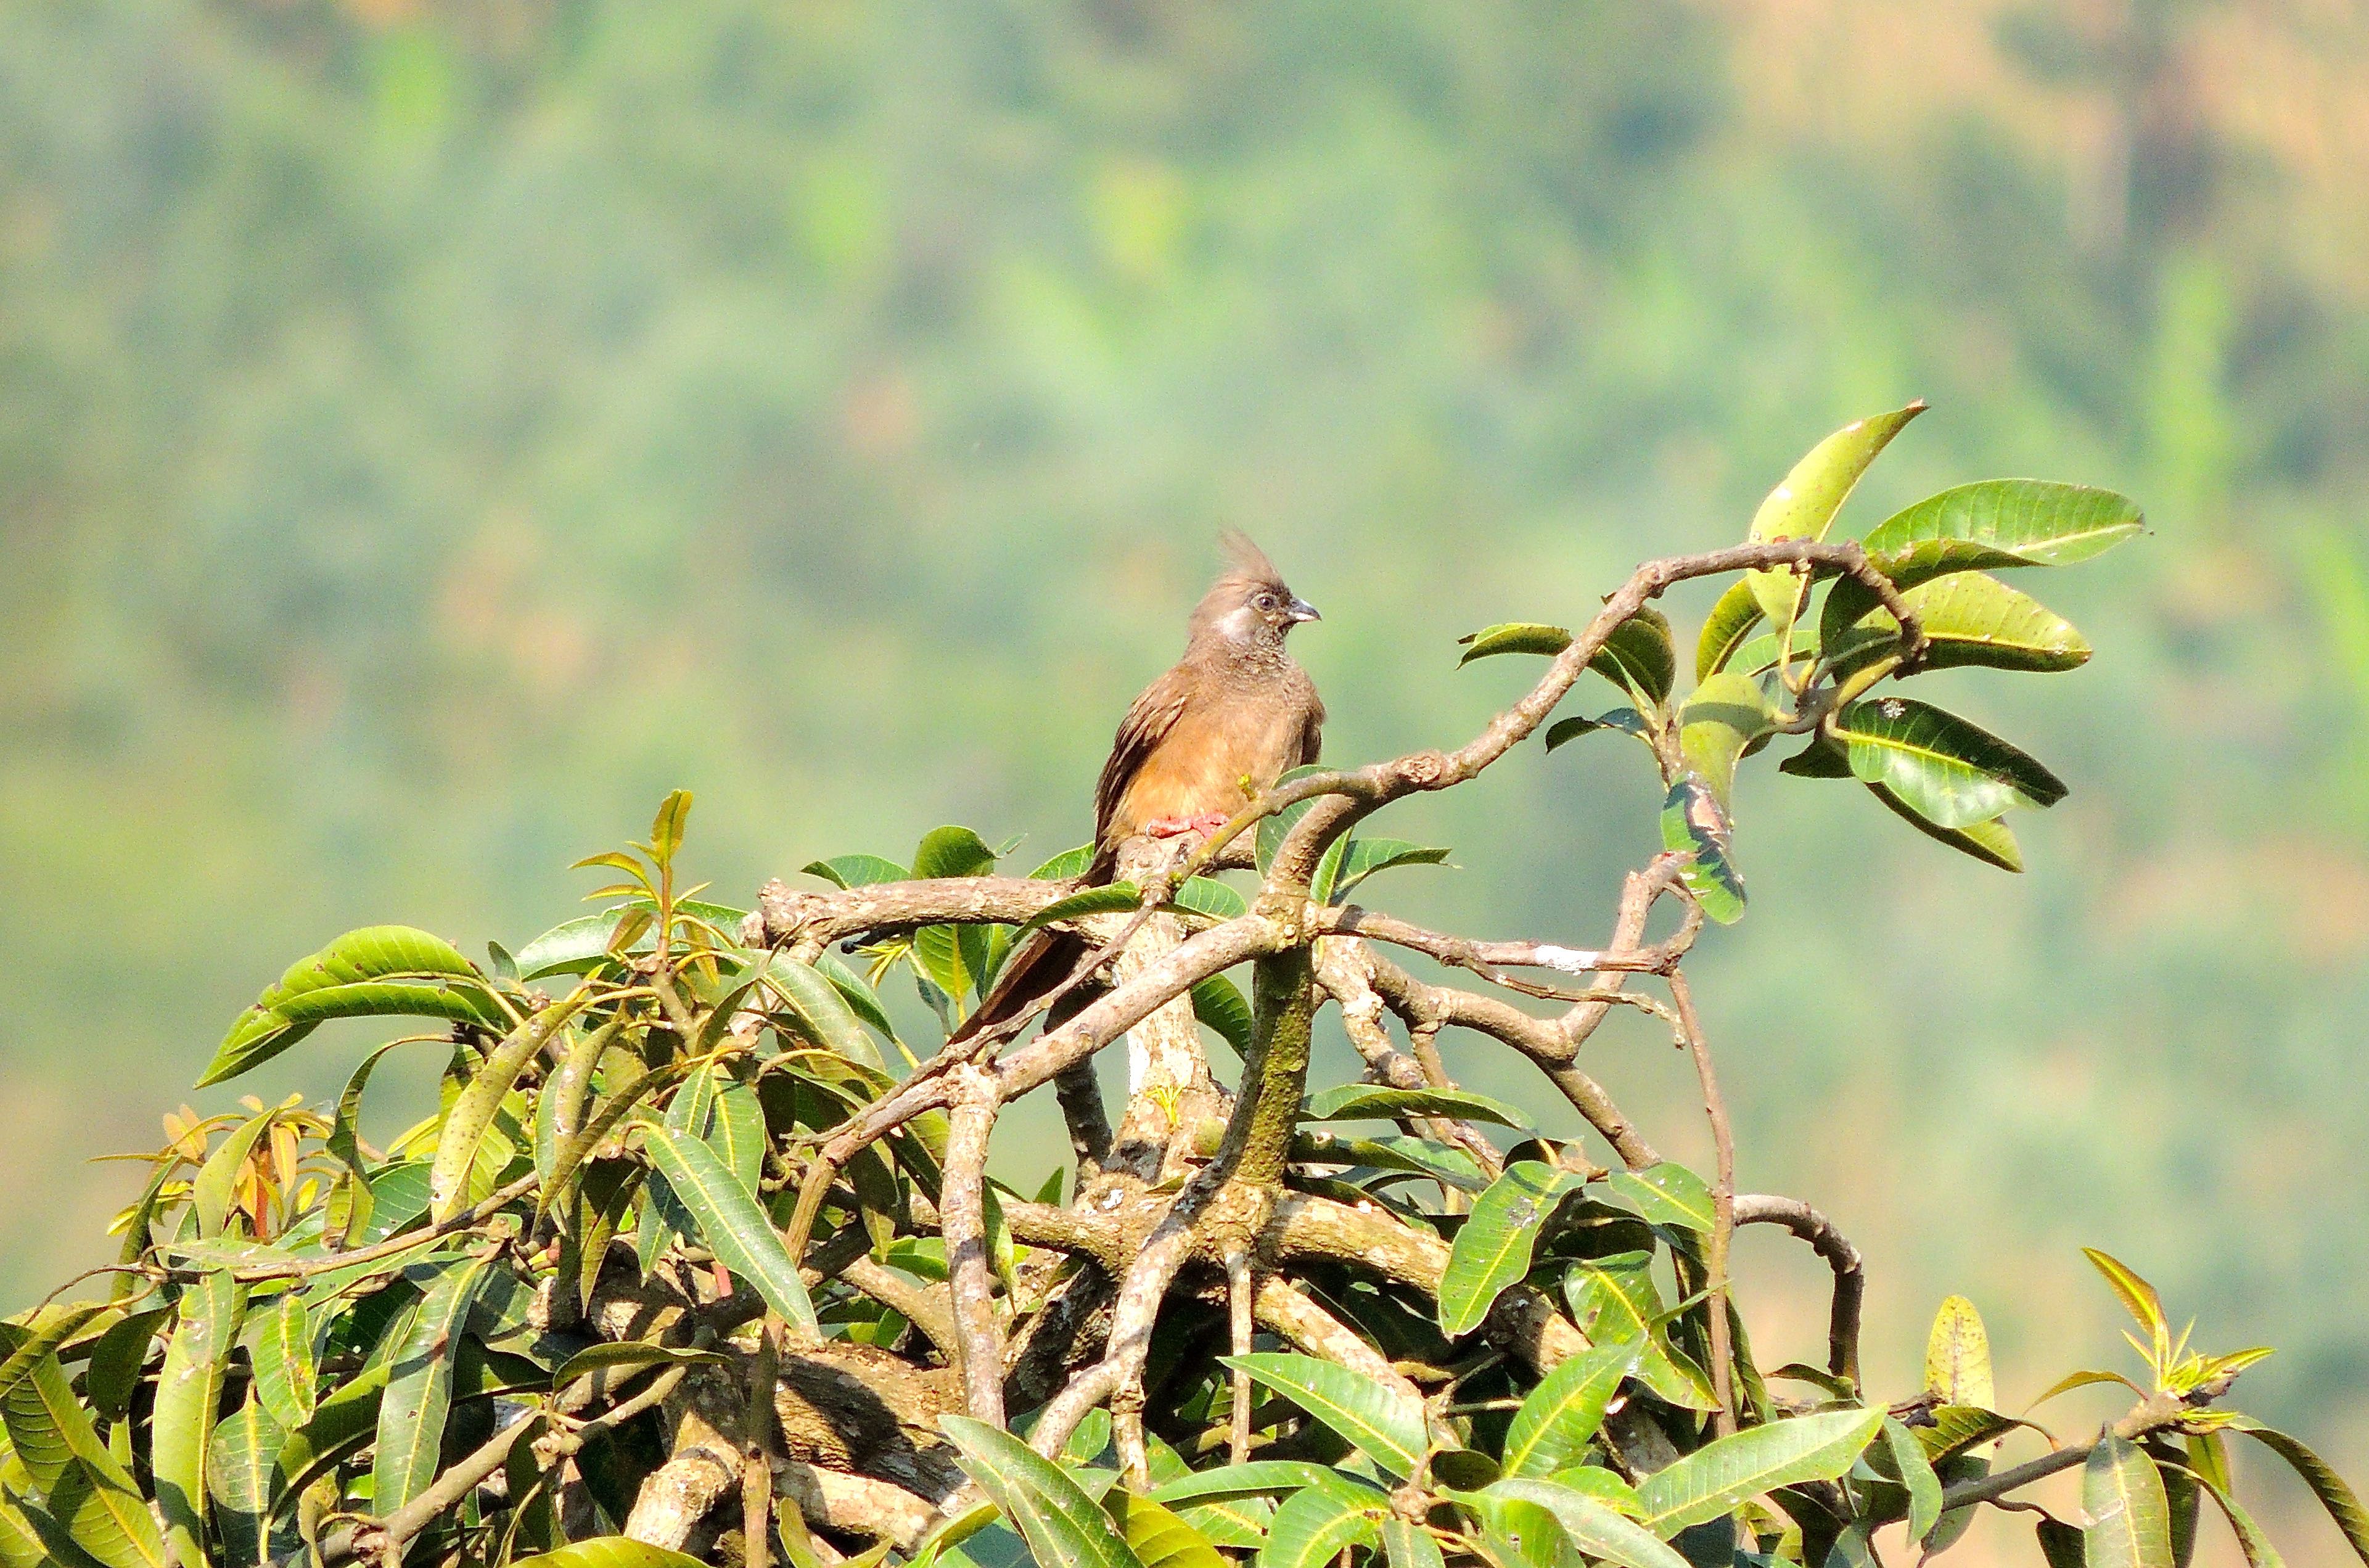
x=1376, y=1418
x=629, y=1355
x=1947, y=770
x=952, y=851
x=28, y=1344
x=1406, y=1544
x=667, y=827
x=1276, y=827
x=736, y=1129
x=1319, y=1521
x=1256, y=1478
x=419, y=1394
x=2060, y=1543
x=1369, y=857
x=819, y=1008
x=1492, y=1247
x=1724, y=630
x=238, y=1470
x=1716, y=721
x=1968, y=618
x=610, y=1552
x=1158, y=1537
x=1627, y=721
x=1639, y=656
x=572, y=947
x=2137, y=1297
x=1594, y=1528
x=1715, y=1479
x=2260, y=1552
x=1959, y=1427
x=188, y=1390
x=2334, y=1496
x=1065, y=866
x=1512, y=637
x=1615, y=1302
x=1044, y=1501
x=2000, y=522
x=1803, y=506
x=1694, y=824
x=857, y=870
x=106, y=1519
x=1391, y=1151
x=1665, y=1194
x=214, y=1189
x=1110, y=899
x=1560, y=1415
x=465, y=1125
x=2130, y=1520
x=1916, y=1475
x=1377, y=1102
x=1220, y=1003
x=368, y=972
x=285, y=1375
x=1958, y=1356
x=735, y=1229
x=1207, y=895
x=1991, y=843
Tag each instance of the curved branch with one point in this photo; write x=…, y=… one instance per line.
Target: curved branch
x=1850, y=1282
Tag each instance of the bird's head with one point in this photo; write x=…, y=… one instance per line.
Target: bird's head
x=1249, y=603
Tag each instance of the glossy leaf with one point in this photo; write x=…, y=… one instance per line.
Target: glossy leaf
x=2138, y=1298
x=2334, y=1495
x=1254, y=1478
x=2000, y=522
x=1376, y=1102
x=1070, y=863
x=1590, y=1526
x=281, y=1351
x=629, y=1355
x=1915, y=1473
x=103, y=1517
x=1319, y=1522
x=1111, y=898
x=1157, y=1537
x=1803, y=504
x=1276, y=826
x=1727, y=628
x=1639, y=656
x=610, y=1552
x=1716, y=1478
x=856, y=870
x=1958, y=1356
x=821, y=1010
x=375, y=971
x=1386, y=1423
x=1665, y=1194
x=1051, y=1511
x=1947, y=770
x=2130, y=1521
x=1716, y=721
x=1558, y=1417
x=1512, y=637
x=1493, y=1248
x=239, y=1472
x=735, y=1229
x=2260, y=1552
x=1406, y=1544
x=952, y=851
x=1958, y=1428
x=1371, y=857
x=1968, y=618
x=736, y=1129
x=188, y=1390
x=1627, y=721
x=1694, y=824
x=22, y=1346
x=1991, y=843
x=419, y=1394
x=1220, y=1003
x=472, y=1114
x=1615, y=1302
x=1207, y=895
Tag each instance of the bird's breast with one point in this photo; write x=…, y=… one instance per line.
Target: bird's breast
x=1199, y=766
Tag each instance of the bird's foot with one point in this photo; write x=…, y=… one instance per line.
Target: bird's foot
x=1206, y=824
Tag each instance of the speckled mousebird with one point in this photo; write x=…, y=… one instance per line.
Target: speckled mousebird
x=1235, y=707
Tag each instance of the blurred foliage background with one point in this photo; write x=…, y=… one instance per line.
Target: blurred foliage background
x=430, y=432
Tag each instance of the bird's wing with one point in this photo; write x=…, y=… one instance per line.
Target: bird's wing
x=1146, y=724
x=1311, y=729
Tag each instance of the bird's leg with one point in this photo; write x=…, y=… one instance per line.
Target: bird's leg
x=1177, y=826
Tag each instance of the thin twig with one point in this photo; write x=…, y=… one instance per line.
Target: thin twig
x=1850, y=1280
x=1722, y=1200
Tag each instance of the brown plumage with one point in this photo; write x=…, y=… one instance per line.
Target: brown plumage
x=1235, y=710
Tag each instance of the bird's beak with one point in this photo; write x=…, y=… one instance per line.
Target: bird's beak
x=1302, y=610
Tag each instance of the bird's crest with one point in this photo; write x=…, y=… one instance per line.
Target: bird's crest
x=1246, y=571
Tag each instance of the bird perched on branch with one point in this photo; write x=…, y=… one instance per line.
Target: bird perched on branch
x=1236, y=711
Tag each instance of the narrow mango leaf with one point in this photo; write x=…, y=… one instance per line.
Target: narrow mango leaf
x=2137, y=1297
x=1627, y=721
x=25, y=1345
x=346, y=1418
x=239, y=1472
x=667, y=827
x=46, y=1426
x=1110, y=899
x=465, y=1125
x=419, y=1387
x=1595, y=1482
x=106, y=1519
x=1391, y=1151
x=1275, y=828
x=2060, y=1543
x=2260, y=1552
x=1406, y=1544
x=1493, y=1248
x=2334, y=1496
x=1240, y=1523
x=1715, y=1479
x=1562, y=1414
x=951, y=851
x=1991, y=843
x=1947, y=770
x=1220, y=1003
x=629, y=1355
x=1639, y=656
x=1727, y=628
x=1386, y=1423
x=856, y=870
x=1319, y=1522
x=1958, y=1356
x=735, y=1229
x=1158, y=1537
x=1369, y=857
x=2130, y=1520
x=214, y=1190
x=1044, y=1501
x=378, y=970
x=1665, y=1194
x=1590, y=1526
x=1916, y=1475
x=1512, y=637
x=1376, y=1102
x=1968, y=618
x=282, y=1350
x=188, y=1390
x=1958, y=1428
x=822, y=1013
x=1694, y=824
x=1256, y=1478
x=735, y=1129
x=1803, y=506
x=1615, y=1302
x=2000, y=522
x=608, y=1552
x=1716, y=721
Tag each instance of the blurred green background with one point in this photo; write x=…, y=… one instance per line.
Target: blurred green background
x=430, y=432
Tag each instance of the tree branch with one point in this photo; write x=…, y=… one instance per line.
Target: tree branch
x=1850, y=1282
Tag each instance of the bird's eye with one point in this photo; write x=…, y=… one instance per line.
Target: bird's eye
x=1266, y=601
